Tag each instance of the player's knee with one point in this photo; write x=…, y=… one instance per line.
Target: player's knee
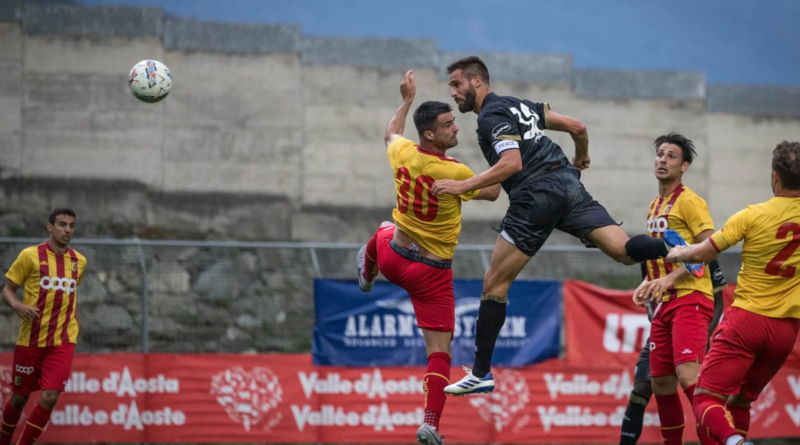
x=495, y=283
x=18, y=401
x=643, y=390
x=49, y=399
x=739, y=401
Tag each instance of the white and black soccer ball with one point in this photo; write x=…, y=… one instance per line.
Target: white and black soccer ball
x=150, y=81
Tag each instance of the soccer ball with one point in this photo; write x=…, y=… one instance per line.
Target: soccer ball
x=150, y=81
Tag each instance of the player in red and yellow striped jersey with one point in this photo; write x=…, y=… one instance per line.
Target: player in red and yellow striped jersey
x=50, y=274
x=679, y=332
x=415, y=252
x=759, y=330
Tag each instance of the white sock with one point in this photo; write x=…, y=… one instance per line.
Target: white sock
x=733, y=440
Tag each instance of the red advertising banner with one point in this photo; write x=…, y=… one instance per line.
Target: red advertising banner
x=283, y=399
x=604, y=328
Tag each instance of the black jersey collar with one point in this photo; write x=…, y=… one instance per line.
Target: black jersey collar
x=489, y=98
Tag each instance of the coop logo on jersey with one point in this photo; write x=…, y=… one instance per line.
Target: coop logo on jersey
x=398, y=324
x=248, y=397
x=657, y=225
x=67, y=285
x=510, y=396
x=27, y=370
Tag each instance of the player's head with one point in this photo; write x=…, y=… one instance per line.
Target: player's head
x=469, y=82
x=436, y=125
x=61, y=225
x=674, y=154
x=786, y=167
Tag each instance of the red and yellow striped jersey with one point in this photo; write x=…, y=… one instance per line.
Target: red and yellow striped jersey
x=685, y=212
x=51, y=283
x=434, y=222
x=768, y=282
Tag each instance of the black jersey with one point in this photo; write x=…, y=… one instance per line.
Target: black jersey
x=506, y=123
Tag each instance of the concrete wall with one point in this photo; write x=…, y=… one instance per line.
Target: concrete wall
x=270, y=134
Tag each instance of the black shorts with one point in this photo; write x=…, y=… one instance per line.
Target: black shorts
x=557, y=200
x=642, y=371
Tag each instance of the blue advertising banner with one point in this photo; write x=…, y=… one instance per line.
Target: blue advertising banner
x=353, y=328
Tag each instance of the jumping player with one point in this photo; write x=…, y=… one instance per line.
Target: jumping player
x=759, y=330
x=544, y=194
x=50, y=273
x=415, y=252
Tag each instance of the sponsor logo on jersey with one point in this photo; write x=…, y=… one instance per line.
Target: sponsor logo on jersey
x=67, y=285
x=500, y=129
x=657, y=225
x=27, y=370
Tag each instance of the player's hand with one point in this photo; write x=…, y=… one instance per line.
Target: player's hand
x=26, y=312
x=677, y=254
x=407, y=89
x=581, y=163
x=656, y=288
x=639, y=296
x=448, y=187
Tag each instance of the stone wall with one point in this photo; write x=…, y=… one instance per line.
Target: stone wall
x=273, y=135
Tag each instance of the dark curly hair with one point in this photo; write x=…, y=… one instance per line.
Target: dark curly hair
x=786, y=162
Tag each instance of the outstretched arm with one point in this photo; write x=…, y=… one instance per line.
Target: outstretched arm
x=695, y=253
x=580, y=137
x=397, y=123
x=510, y=163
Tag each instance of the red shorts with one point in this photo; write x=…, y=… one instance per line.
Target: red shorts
x=747, y=351
x=41, y=368
x=679, y=333
x=429, y=283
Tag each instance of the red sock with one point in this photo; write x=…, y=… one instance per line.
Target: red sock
x=10, y=419
x=437, y=376
x=34, y=426
x=741, y=418
x=701, y=433
x=371, y=257
x=670, y=412
x=714, y=419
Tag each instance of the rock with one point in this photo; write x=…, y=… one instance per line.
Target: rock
x=132, y=279
x=235, y=334
x=91, y=290
x=172, y=281
x=181, y=308
x=249, y=261
x=12, y=225
x=115, y=286
x=164, y=329
x=102, y=276
x=247, y=321
x=105, y=317
x=221, y=281
x=280, y=317
x=9, y=329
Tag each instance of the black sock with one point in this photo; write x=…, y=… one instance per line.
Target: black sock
x=644, y=247
x=633, y=420
x=491, y=317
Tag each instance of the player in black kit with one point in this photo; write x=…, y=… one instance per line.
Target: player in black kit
x=544, y=192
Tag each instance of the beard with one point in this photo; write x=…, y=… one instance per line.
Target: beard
x=469, y=101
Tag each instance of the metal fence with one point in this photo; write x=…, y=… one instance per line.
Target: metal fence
x=225, y=296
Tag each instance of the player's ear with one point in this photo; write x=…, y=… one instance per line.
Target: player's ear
x=429, y=136
x=685, y=166
x=49, y=227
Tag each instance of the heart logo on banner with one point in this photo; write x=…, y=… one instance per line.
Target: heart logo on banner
x=510, y=396
x=248, y=396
